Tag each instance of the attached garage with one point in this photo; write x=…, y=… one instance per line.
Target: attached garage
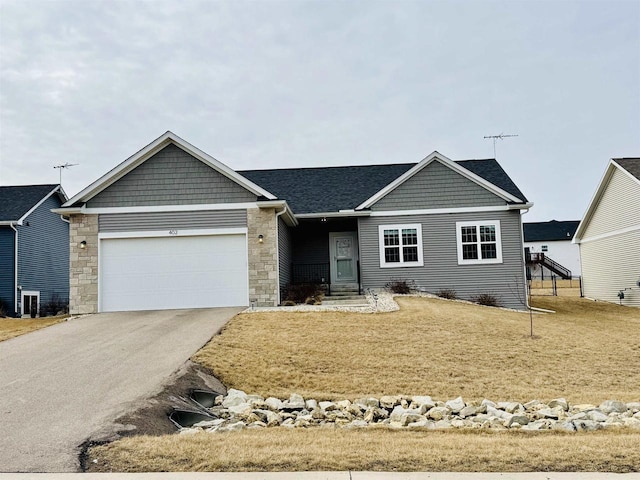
x=145, y=271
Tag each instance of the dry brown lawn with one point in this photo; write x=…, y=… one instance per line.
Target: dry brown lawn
x=12, y=327
x=282, y=449
x=587, y=352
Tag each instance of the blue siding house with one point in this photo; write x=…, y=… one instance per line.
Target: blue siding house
x=34, y=250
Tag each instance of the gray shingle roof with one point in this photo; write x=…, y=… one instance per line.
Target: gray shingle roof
x=330, y=189
x=631, y=165
x=549, y=231
x=15, y=201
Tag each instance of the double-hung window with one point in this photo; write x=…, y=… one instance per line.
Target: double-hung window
x=400, y=245
x=479, y=242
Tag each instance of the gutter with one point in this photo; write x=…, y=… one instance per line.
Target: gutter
x=338, y=214
x=285, y=209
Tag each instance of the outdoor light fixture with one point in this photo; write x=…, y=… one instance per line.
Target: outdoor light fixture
x=83, y=244
x=260, y=238
x=323, y=219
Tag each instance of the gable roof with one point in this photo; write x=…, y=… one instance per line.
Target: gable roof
x=438, y=157
x=331, y=189
x=629, y=166
x=16, y=202
x=147, y=152
x=549, y=231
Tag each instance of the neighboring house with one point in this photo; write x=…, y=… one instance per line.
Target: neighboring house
x=34, y=249
x=172, y=227
x=609, y=236
x=554, y=253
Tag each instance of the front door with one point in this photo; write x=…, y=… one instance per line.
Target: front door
x=30, y=303
x=343, y=248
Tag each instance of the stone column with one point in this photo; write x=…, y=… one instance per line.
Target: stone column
x=83, y=264
x=263, y=257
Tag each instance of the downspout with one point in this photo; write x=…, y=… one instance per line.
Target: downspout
x=278, y=214
x=15, y=270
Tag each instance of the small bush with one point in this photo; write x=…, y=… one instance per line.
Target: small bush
x=400, y=286
x=448, y=293
x=486, y=299
x=303, y=293
x=54, y=306
x=4, y=309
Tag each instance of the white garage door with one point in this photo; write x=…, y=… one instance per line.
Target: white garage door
x=173, y=272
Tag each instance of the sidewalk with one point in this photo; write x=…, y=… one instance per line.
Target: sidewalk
x=323, y=476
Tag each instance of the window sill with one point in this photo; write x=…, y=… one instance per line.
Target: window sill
x=402, y=265
x=480, y=262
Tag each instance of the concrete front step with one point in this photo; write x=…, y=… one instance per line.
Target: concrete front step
x=353, y=296
x=350, y=302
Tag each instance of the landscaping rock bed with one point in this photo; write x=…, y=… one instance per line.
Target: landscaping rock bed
x=238, y=410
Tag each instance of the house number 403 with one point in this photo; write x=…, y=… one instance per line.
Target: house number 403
x=173, y=232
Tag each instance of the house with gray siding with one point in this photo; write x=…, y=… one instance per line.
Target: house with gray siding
x=172, y=227
x=34, y=249
x=609, y=236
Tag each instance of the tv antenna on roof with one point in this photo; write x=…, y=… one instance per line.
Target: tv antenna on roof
x=502, y=136
x=66, y=165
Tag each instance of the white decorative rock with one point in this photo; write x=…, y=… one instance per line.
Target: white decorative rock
x=559, y=402
x=389, y=401
x=455, y=405
x=438, y=413
x=234, y=397
x=274, y=403
x=418, y=401
x=368, y=402
x=597, y=416
x=327, y=406
x=609, y=406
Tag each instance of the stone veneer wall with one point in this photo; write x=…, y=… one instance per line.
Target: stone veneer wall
x=263, y=257
x=83, y=264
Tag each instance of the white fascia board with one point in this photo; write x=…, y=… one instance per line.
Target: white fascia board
x=156, y=208
x=145, y=153
x=44, y=199
x=447, y=162
x=436, y=211
x=339, y=214
x=287, y=212
x=67, y=211
x=9, y=222
x=604, y=181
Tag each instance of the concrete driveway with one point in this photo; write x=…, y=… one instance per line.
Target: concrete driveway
x=61, y=384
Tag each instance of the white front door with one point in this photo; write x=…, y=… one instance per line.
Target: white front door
x=343, y=249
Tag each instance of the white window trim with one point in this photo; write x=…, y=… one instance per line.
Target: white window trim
x=402, y=263
x=479, y=260
x=29, y=293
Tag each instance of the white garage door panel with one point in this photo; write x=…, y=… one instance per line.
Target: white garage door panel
x=173, y=272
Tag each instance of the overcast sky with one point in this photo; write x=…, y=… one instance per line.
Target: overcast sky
x=269, y=84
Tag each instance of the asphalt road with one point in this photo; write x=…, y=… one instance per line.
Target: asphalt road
x=61, y=384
